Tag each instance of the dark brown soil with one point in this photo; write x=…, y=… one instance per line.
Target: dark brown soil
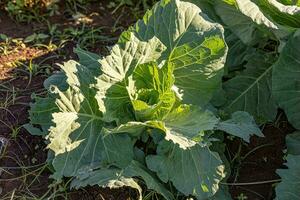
x=265, y=156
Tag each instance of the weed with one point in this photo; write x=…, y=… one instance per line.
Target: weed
x=242, y=196
x=28, y=10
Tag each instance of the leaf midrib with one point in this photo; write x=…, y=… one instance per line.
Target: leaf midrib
x=250, y=87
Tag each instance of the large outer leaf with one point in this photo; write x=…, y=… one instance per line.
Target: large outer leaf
x=290, y=2
x=238, y=17
x=198, y=68
x=289, y=187
x=227, y=12
x=241, y=125
x=136, y=169
x=208, y=8
x=58, y=79
x=286, y=15
x=75, y=135
x=286, y=81
x=111, y=178
x=238, y=53
x=248, y=21
x=253, y=11
x=293, y=143
x=88, y=59
x=103, y=177
x=251, y=91
x=175, y=32
x=195, y=171
x=41, y=114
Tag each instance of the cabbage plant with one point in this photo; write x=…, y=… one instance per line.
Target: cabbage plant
x=143, y=114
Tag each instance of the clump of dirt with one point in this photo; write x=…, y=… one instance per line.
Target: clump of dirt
x=7, y=62
x=4, y=72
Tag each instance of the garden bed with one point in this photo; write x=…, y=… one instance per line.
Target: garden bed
x=25, y=67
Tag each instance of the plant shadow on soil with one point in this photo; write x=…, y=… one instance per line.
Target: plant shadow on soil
x=22, y=162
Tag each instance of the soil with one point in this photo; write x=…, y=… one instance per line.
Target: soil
x=27, y=150
x=265, y=156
